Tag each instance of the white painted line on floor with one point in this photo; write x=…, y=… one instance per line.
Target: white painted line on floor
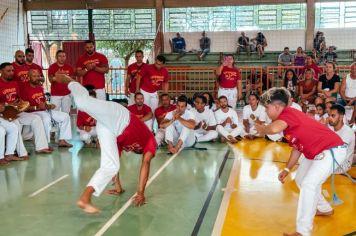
x=128, y=203
x=48, y=185
x=220, y=219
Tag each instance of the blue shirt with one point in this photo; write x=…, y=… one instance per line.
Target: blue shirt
x=178, y=43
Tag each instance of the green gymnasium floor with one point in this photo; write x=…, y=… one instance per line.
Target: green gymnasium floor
x=184, y=198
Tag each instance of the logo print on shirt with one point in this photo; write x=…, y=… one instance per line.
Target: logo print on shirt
x=135, y=147
x=157, y=80
x=230, y=75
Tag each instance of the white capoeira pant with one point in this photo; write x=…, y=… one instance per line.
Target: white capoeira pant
x=85, y=136
x=227, y=130
x=111, y=120
x=150, y=99
x=230, y=93
x=186, y=135
x=160, y=136
x=13, y=139
x=2, y=142
x=100, y=94
x=310, y=176
x=63, y=103
x=37, y=128
x=63, y=120
x=149, y=124
x=205, y=135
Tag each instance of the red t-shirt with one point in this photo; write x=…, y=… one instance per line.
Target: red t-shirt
x=93, y=77
x=229, y=77
x=161, y=112
x=21, y=72
x=84, y=119
x=137, y=138
x=34, y=66
x=315, y=68
x=60, y=89
x=34, y=95
x=9, y=91
x=139, y=113
x=152, y=78
x=306, y=134
x=134, y=70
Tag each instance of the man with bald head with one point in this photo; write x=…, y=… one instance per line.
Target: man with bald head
x=33, y=93
x=20, y=68
x=10, y=94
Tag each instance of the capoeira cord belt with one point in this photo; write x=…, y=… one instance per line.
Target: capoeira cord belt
x=335, y=199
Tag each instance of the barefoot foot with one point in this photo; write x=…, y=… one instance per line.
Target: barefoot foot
x=87, y=207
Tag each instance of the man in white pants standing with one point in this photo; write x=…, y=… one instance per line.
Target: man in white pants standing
x=227, y=122
x=117, y=130
x=205, y=129
x=93, y=66
x=9, y=93
x=153, y=78
x=179, y=125
x=133, y=71
x=318, y=146
x=34, y=94
x=229, y=79
x=60, y=95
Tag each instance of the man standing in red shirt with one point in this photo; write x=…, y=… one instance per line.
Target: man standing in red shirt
x=10, y=94
x=117, y=130
x=160, y=113
x=141, y=110
x=30, y=55
x=319, y=147
x=153, y=78
x=34, y=94
x=60, y=94
x=20, y=68
x=93, y=66
x=229, y=79
x=132, y=72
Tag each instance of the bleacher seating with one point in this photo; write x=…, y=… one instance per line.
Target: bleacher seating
x=345, y=57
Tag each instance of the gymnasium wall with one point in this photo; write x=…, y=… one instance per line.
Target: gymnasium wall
x=225, y=41
x=12, y=36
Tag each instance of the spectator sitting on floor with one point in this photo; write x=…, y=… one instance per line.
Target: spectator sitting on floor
x=330, y=55
x=210, y=104
x=178, y=46
x=252, y=113
x=336, y=122
x=204, y=43
x=261, y=42
x=320, y=114
x=179, y=125
x=329, y=83
x=160, y=114
x=243, y=43
x=348, y=91
x=227, y=122
x=291, y=80
x=205, y=128
x=253, y=83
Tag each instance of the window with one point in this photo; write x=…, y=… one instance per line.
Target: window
x=230, y=18
x=335, y=14
x=107, y=24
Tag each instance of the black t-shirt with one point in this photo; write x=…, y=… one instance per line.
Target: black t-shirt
x=329, y=84
x=243, y=42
